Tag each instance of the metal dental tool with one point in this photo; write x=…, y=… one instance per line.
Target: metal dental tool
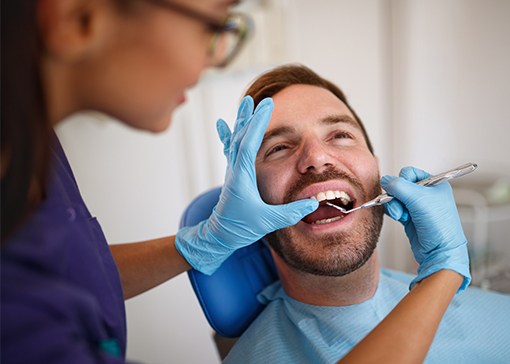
x=432, y=180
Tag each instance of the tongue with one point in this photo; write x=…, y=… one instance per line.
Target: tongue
x=323, y=212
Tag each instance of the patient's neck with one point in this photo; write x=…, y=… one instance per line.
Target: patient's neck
x=350, y=289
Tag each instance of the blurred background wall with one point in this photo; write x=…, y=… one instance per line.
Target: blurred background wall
x=430, y=79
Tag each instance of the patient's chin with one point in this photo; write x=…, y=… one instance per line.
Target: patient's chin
x=332, y=255
x=338, y=258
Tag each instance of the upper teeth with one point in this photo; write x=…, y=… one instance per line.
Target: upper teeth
x=332, y=195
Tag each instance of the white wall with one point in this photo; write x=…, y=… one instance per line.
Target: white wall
x=452, y=82
x=451, y=85
x=429, y=78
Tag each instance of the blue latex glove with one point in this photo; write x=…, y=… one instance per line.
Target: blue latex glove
x=431, y=223
x=241, y=217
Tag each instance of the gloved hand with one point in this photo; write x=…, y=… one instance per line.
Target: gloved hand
x=431, y=223
x=241, y=217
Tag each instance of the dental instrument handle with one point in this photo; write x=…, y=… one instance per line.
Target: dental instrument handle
x=445, y=176
x=431, y=181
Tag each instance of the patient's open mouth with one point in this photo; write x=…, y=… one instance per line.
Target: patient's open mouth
x=326, y=214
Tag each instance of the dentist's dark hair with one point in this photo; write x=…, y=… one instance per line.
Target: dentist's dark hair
x=279, y=78
x=25, y=130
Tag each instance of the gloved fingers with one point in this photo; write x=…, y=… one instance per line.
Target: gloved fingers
x=244, y=113
x=413, y=174
x=400, y=188
x=291, y=213
x=396, y=210
x=255, y=129
x=242, y=127
x=235, y=143
x=231, y=140
x=224, y=134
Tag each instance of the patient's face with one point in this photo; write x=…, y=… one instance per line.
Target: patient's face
x=314, y=146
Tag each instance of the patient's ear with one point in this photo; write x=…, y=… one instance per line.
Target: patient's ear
x=69, y=28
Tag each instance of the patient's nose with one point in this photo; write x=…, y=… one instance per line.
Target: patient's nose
x=314, y=157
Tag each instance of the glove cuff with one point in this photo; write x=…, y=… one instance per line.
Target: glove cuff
x=456, y=259
x=200, y=248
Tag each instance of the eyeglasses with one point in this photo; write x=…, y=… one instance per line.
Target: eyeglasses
x=229, y=35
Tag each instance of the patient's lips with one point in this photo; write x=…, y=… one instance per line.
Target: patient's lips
x=326, y=214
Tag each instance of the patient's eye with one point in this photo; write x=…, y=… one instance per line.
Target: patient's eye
x=341, y=138
x=342, y=135
x=277, y=148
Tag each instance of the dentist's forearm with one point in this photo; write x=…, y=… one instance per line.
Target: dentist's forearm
x=405, y=335
x=147, y=264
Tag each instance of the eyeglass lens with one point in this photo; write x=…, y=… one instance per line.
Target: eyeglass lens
x=226, y=43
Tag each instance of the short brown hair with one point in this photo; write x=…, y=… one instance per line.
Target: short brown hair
x=279, y=78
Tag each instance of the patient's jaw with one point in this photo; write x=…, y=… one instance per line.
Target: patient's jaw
x=314, y=147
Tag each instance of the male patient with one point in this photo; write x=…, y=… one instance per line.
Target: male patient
x=332, y=291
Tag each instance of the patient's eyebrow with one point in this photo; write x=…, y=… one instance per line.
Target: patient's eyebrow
x=335, y=119
x=328, y=120
x=282, y=130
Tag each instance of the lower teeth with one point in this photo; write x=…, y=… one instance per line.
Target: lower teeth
x=327, y=221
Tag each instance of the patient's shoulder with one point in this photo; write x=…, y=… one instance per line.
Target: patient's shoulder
x=397, y=275
x=271, y=293
x=264, y=338
x=478, y=298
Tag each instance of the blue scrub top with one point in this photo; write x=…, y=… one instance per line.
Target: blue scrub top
x=61, y=296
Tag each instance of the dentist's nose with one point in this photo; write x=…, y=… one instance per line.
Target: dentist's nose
x=314, y=157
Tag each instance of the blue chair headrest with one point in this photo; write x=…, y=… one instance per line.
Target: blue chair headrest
x=228, y=297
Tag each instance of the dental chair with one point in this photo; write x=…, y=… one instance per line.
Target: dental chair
x=228, y=297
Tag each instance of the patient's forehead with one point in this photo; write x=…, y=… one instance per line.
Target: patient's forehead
x=304, y=103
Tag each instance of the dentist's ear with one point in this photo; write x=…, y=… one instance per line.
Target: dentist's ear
x=70, y=28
